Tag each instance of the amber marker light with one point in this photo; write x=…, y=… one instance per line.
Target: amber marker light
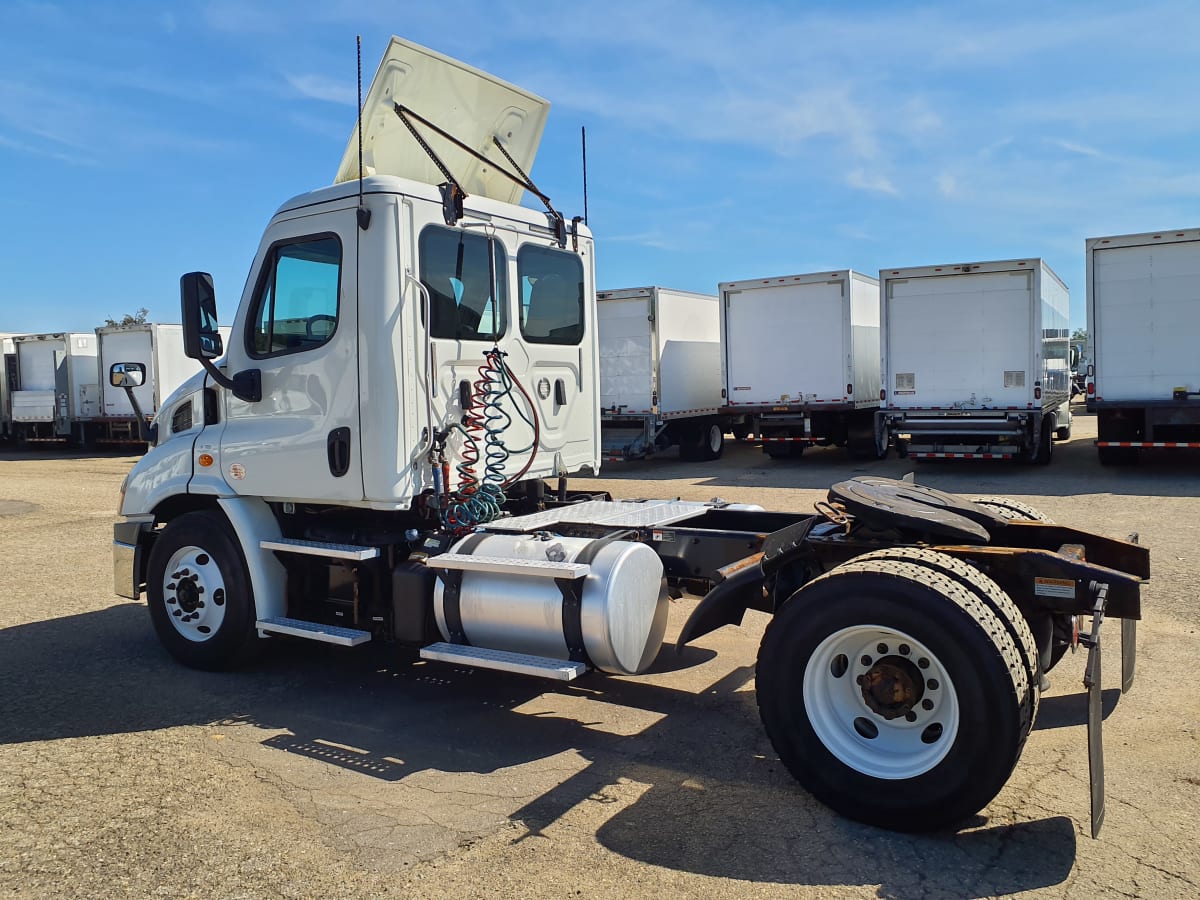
x=205, y=460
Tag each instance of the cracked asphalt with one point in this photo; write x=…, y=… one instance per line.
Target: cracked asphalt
x=352, y=773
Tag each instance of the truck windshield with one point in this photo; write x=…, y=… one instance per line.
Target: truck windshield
x=551, y=295
x=455, y=270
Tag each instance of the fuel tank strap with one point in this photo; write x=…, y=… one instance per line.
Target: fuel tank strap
x=452, y=593
x=572, y=593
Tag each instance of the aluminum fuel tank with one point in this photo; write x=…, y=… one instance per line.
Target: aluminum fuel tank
x=624, y=610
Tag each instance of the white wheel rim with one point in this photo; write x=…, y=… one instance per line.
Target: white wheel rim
x=714, y=438
x=194, y=593
x=905, y=746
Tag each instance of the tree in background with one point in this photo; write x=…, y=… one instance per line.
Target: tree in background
x=135, y=318
x=1079, y=336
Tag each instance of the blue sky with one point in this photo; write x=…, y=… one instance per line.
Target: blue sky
x=140, y=140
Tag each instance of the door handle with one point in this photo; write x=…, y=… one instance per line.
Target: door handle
x=560, y=392
x=338, y=448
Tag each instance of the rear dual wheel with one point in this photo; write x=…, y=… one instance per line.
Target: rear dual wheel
x=899, y=688
x=701, y=443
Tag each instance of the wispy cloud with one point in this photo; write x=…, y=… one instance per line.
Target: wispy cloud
x=1072, y=147
x=321, y=87
x=871, y=181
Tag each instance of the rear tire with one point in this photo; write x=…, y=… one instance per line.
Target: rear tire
x=702, y=443
x=1045, y=452
x=944, y=749
x=1014, y=510
x=198, y=592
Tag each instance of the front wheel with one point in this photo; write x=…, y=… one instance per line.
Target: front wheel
x=198, y=592
x=895, y=694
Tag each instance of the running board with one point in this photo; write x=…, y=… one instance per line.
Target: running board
x=314, y=631
x=504, y=661
x=317, y=548
x=501, y=565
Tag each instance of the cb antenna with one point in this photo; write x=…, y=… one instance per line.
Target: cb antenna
x=583, y=137
x=364, y=214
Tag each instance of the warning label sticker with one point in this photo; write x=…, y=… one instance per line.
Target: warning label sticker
x=667, y=537
x=1054, y=587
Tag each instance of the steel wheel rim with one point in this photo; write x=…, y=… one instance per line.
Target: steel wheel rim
x=194, y=593
x=906, y=746
x=714, y=438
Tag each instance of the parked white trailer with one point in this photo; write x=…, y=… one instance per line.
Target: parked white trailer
x=660, y=373
x=158, y=347
x=8, y=380
x=1143, y=293
x=975, y=360
x=801, y=359
x=59, y=392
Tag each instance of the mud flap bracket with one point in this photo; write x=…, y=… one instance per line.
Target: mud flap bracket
x=1095, y=722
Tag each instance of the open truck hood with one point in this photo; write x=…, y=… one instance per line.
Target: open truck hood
x=469, y=104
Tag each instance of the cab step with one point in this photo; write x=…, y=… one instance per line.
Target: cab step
x=319, y=548
x=502, y=565
x=504, y=661
x=314, y=631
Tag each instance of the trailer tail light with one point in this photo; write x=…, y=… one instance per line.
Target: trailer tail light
x=882, y=394
x=849, y=390
x=1091, y=388
x=1037, y=393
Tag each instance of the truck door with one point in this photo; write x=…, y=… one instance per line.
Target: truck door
x=298, y=325
x=555, y=351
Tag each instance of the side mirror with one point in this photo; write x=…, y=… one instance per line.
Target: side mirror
x=201, y=339
x=127, y=374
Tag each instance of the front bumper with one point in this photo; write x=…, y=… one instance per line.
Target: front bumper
x=128, y=549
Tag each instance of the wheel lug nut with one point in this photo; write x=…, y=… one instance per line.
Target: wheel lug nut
x=932, y=684
x=866, y=660
x=905, y=650
x=910, y=716
x=923, y=663
x=927, y=704
x=882, y=648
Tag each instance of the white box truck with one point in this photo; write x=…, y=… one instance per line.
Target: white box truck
x=158, y=347
x=59, y=392
x=660, y=374
x=1143, y=312
x=801, y=359
x=975, y=361
x=415, y=353
x=8, y=380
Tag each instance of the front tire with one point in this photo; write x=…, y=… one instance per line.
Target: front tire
x=198, y=592
x=895, y=694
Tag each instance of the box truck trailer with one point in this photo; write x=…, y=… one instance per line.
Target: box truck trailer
x=975, y=360
x=660, y=374
x=801, y=359
x=8, y=380
x=1143, y=309
x=366, y=460
x=159, y=347
x=59, y=393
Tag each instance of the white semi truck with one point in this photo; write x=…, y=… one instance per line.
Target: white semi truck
x=1143, y=294
x=415, y=354
x=59, y=393
x=975, y=361
x=823, y=389
x=158, y=347
x=660, y=374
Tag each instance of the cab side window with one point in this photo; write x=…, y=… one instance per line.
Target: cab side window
x=551, y=295
x=463, y=305
x=296, y=304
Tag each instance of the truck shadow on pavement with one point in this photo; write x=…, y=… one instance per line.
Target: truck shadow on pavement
x=689, y=776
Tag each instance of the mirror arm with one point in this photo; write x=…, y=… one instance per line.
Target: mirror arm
x=143, y=425
x=246, y=385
